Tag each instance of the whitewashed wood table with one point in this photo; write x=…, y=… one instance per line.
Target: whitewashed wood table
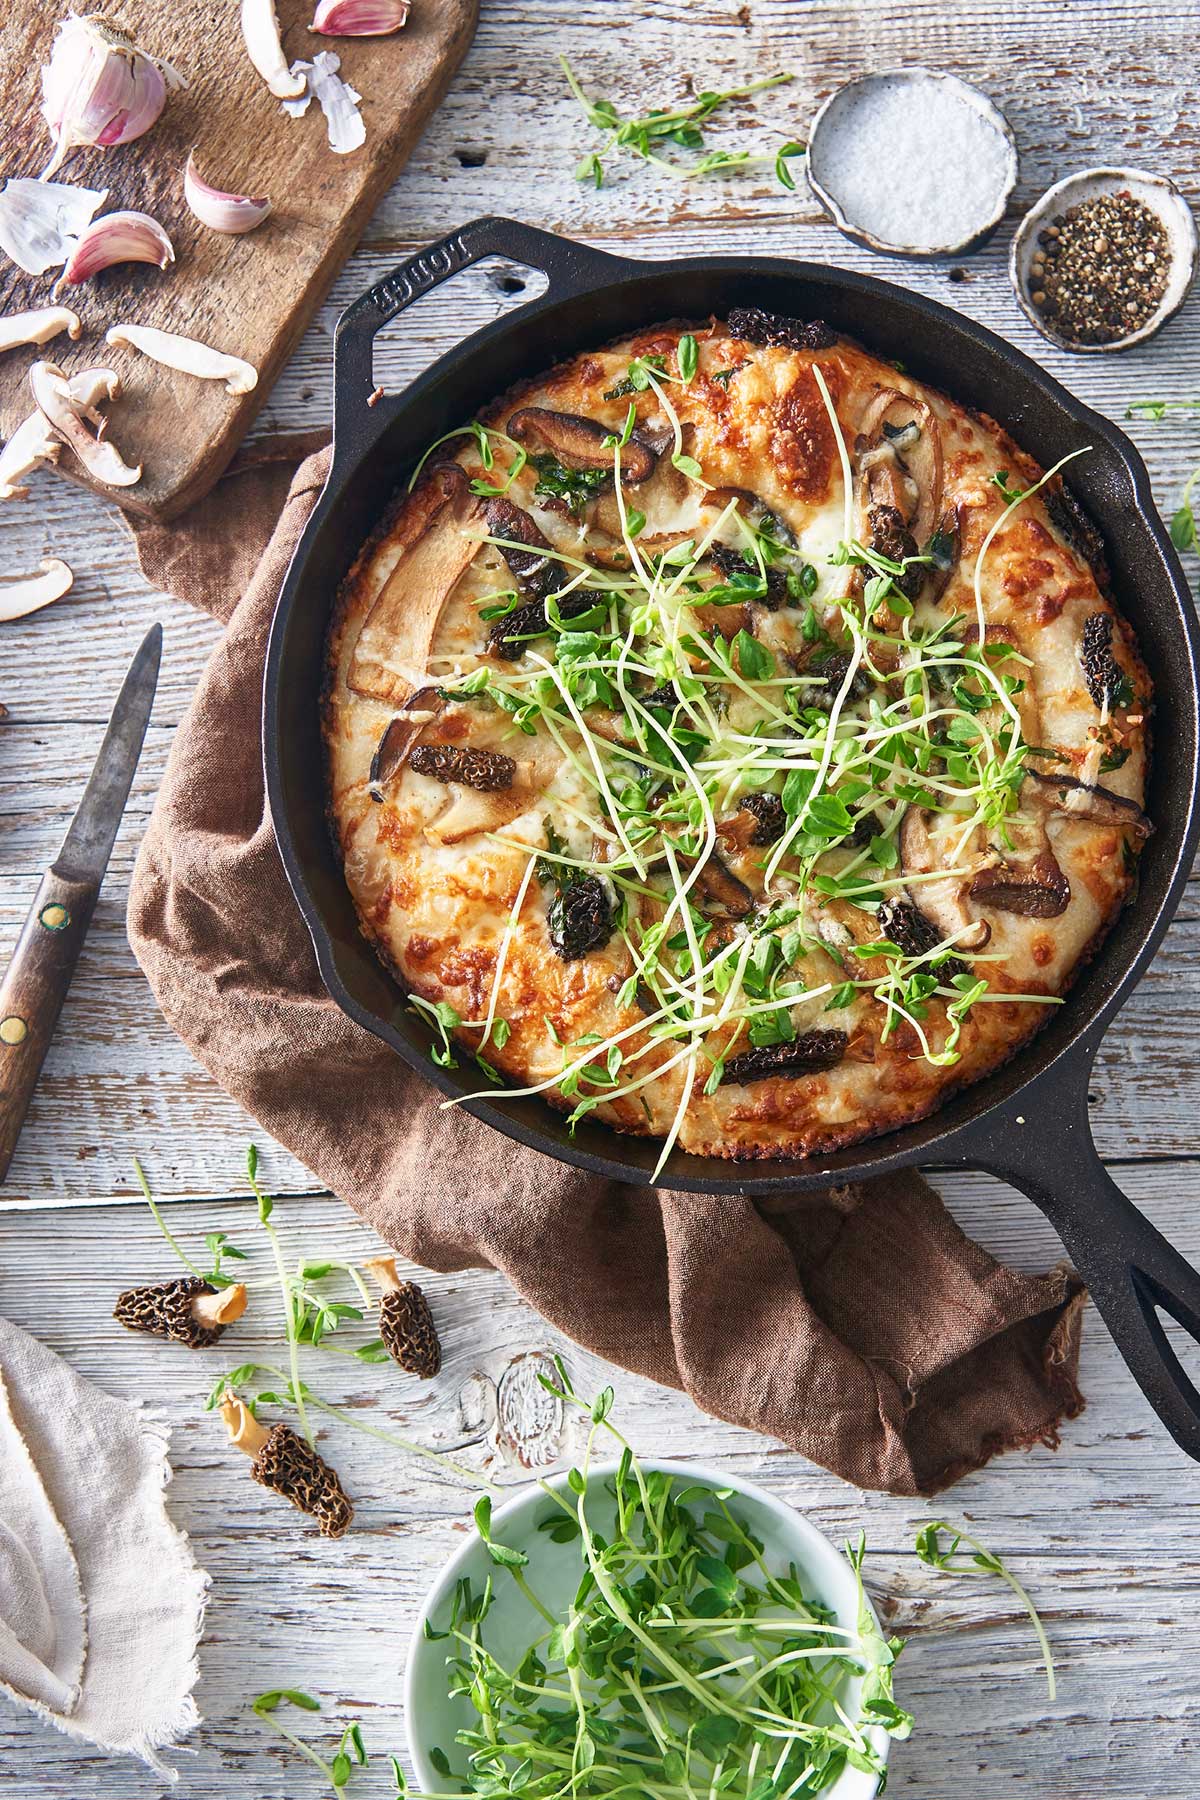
x=1106, y=1532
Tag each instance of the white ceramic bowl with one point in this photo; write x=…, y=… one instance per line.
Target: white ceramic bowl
x=433, y=1718
x=1155, y=191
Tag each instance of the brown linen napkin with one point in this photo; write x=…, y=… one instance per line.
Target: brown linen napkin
x=860, y=1326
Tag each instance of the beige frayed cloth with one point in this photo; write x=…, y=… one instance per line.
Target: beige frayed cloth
x=101, y=1602
x=860, y=1326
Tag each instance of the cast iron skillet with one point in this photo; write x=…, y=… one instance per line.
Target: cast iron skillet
x=1028, y=1123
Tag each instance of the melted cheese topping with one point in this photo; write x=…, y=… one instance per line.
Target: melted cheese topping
x=444, y=877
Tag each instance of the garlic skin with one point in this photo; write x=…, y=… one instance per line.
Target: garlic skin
x=230, y=213
x=24, y=594
x=188, y=355
x=99, y=455
x=260, y=29
x=38, y=327
x=40, y=221
x=99, y=88
x=115, y=238
x=359, y=18
x=336, y=99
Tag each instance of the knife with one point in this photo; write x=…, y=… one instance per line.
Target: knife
x=35, y=986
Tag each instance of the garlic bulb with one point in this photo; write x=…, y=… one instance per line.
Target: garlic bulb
x=115, y=238
x=359, y=18
x=231, y=213
x=99, y=88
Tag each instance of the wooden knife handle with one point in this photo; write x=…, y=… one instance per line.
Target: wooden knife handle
x=32, y=993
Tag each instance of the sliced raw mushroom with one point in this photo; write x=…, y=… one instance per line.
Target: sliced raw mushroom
x=942, y=898
x=436, y=545
x=401, y=736
x=58, y=405
x=284, y=1463
x=188, y=355
x=405, y=1321
x=808, y=1054
x=579, y=443
x=26, y=594
x=1084, y=800
x=533, y=566
x=38, y=327
x=33, y=442
x=187, y=1311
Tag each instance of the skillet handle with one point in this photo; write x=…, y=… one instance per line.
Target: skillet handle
x=569, y=267
x=1130, y=1269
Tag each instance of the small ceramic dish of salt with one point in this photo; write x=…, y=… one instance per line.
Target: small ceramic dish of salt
x=912, y=162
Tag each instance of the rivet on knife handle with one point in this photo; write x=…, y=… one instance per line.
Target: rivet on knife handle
x=32, y=993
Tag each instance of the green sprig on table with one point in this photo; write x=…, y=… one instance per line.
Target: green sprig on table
x=643, y=134
x=957, y=1562
x=1185, y=531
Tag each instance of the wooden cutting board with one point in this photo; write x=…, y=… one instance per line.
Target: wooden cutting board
x=250, y=295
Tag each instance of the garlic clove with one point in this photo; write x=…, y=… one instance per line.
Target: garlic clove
x=187, y=354
x=38, y=327
x=260, y=29
x=40, y=221
x=24, y=594
x=359, y=18
x=231, y=213
x=115, y=238
x=336, y=98
x=33, y=442
x=99, y=88
x=66, y=413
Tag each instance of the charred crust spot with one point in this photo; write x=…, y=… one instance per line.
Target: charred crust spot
x=580, y=919
x=165, y=1310
x=486, y=770
x=754, y=326
x=810, y=1053
x=906, y=925
x=408, y=1331
x=290, y=1467
x=767, y=809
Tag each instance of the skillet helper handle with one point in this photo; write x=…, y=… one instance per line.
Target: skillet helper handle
x=1130, y=1269
x=567, y=265
x=32, y=992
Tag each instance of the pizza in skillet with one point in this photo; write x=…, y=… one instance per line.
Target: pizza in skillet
x=733, y=738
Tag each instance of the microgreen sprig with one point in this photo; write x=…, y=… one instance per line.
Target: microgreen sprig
x=350, y=1753
x=930, y=1552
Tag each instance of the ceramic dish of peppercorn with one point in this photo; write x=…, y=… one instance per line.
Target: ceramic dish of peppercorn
x=1104, y=259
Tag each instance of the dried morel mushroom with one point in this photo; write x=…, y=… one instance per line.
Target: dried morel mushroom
x=507, y=636
x=906, y=925
x=580, y=919
x=487, y=770
x=1076, y=529
x=772, y=819
x=405, y=1321
x=283, y=1462
x=1103, y=675
x=187, y=1311
x=757, y=327
x=807, y=1055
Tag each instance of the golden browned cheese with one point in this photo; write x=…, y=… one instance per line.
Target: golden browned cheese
x=442, y=874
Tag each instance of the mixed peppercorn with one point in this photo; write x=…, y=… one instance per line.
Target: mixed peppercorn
x=1100, y=269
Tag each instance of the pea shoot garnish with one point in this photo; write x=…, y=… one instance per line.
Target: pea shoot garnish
x=1185, y=530
x=644, y=135
x=686, y=1662
x=972, y=1560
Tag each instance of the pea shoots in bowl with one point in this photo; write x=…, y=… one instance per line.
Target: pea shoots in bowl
x=652, y=1629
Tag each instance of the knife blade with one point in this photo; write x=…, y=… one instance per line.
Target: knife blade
x=36, y=982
